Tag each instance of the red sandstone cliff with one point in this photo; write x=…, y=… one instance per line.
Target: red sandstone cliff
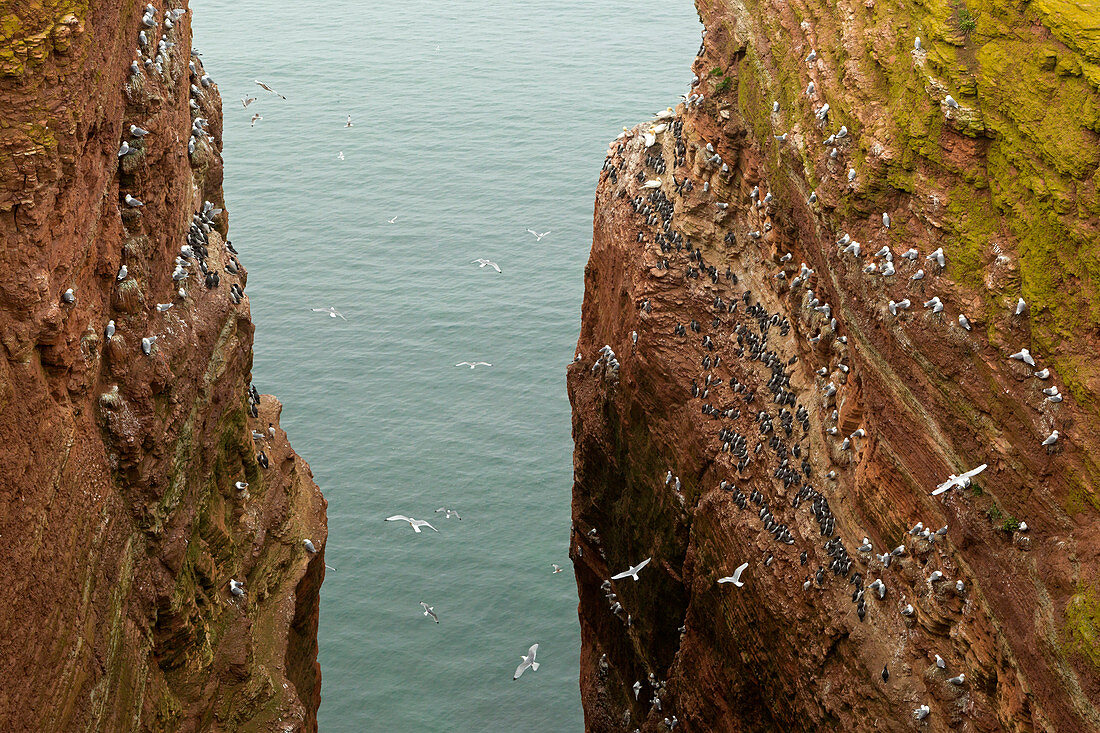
x=1007, y=185
x=120, y=519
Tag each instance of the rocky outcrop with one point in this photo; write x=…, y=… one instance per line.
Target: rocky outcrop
x=127, y=416
x=844, y=395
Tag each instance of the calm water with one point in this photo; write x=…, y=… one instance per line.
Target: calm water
x=472, y=120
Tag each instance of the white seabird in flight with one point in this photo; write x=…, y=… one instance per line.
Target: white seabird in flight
x=632, y=571
x=416, y=524
x=528, y=662
x=473, y=364
x=331, y=310
x=267, y=88
x=482, y=262
x=962, y=480
x=736, y=577
x=538, y=237
x=429, y=611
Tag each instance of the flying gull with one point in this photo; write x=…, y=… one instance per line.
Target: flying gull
x=416, y=524
x=632, y=571
x=473, y=364
x=962, y=480
x=429, y=611
x=482, y=262
x=332, y=312
x=538, y=237
x=528, y=662
x=736, y=577
x=267, y=88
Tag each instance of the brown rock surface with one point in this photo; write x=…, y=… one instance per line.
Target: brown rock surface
x=1010, y=194
x=120, y=522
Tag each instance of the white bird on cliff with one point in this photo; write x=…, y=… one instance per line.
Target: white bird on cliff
x=1021, y=306
x=125, y=149
x=331, y=311
x=132, y=202
x=308, y=544
x=1043, y=373
x=1051, y=439
x=885, y=220
x=666, y=114
x=110, y=329
x=416, y=524
x=527, y=662
x=654, y=183
x=940, y=662
x=916, y=44
x=482, y=262
x=961, y=679
x=236, y=587
x=265, y=87
x=163, y=306
x=938, y=257
x=632, y=571
x=1023, y=355
x=241, y=485
x=429, y=611
x=918, y=275
x=736, y=577
x=950, y=102
x=122, y=273
x=961, y=481
x=964, y=322
x=922, y=712
x=147, y=344
x=935, y=304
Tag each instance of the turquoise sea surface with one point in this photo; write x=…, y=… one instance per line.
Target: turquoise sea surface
x=472, y=120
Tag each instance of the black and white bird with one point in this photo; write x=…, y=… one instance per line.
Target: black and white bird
x=429, y=611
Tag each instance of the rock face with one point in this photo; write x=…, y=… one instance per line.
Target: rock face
x=845, y=392
x=121, y=521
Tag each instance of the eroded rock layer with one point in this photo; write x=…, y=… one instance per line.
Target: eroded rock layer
x=773, y=372
x=128, y=423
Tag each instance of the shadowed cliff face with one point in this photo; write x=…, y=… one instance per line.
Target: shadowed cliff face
x=121, y=523
x=841, y=400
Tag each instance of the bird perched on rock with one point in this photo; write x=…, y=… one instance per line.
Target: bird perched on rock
x=950, y=102
x=1023, y=355
x=308, y=544
x=964, y=322
x=1021, y=306
x=236, y=587
x=1051, y=439
x=935, y=304
x=147, y=344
